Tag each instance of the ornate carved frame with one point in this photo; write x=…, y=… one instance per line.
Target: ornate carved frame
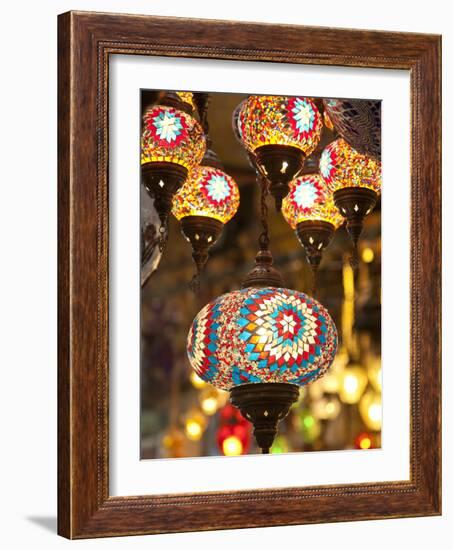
x=85, y=42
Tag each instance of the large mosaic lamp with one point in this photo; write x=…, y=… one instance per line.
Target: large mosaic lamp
x=310, y=211
x=280, y=131
x=172, y=144
x=355, y=181
x=208, y=199
x=262, y=343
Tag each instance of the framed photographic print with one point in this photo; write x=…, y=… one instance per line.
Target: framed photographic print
x=249, y=275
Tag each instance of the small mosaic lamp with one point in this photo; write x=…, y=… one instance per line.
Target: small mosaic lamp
x=262, y=343
x=280, y=131
x=310, y=211
x=172, y=144
x=355, y=181
x=207, y=200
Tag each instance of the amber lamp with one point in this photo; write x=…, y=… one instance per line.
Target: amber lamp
x=310, y=211
x=280, y=131
x=355, y=181
x=207, y=200
x=172, y=144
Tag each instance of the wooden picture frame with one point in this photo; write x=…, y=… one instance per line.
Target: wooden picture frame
x=85, y=41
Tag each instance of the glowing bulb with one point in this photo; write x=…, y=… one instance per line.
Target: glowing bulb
x=365, y=443
x=370, y=408
x=350, y=383
x=374, y=412
x=280, y=445
x=195, y=424
x=209, y=405
x=193, y=430
x=367, y=255
x=232, y=446
x=353, y=384
x=309, y=421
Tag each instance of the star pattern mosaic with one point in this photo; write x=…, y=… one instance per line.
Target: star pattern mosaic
x=262, y=335
x=170, y=135
x=342, y=166
x=217, y=187
x=302, y=115
x=309, y=199
x=207, y=192
x=282, y=120
x=168, y=127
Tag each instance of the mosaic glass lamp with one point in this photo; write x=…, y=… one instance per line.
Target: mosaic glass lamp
x=208, y=199
x=310, y=211
x=172, y=144
x=262, y=343
x=280, y=131
x=358, y=121
x=355, y=181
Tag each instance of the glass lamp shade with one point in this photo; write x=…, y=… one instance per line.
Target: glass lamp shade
x=262, y=335
x=207, y=192
x=280, y=120
x=280, y=132
x=172, y=143
x=355, y=181
x=208, y=199
x=309, y=199
x=310, y=211
x=262, y=344
x=342, y=166
x=171, y=135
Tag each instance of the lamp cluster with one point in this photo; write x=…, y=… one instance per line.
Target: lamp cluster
x=279, y=133
x=183, y=175
x=262, y=342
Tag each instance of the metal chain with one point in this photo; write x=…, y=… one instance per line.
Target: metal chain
x=264, y=236
x=162, y=235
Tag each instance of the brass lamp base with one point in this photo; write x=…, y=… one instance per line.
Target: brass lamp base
x=314, y=236
x=264, y=405
x=354, y=203
x=202, y=232
x=280, y=164
x=162, y=180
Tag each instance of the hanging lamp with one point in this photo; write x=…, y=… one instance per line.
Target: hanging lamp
x=280, y=131
x=207, y=200
x=355, y=181
x=310, y=211
x=262, y=343
x=172, y=143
